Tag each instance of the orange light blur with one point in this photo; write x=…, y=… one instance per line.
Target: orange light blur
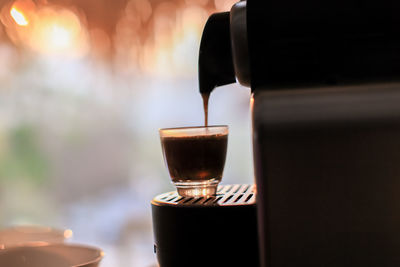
x=224, y=5
x=18, y=17
x=58, y=31
x=68, y=234
x=159, y=38
x=46, y=29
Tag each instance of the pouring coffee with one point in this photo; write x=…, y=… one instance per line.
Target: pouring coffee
x=325, y=90
x=195, y=156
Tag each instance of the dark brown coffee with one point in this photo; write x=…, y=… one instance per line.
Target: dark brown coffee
x=205, y=97
x=195, y=158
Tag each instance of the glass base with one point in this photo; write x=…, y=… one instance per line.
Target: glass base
x=196, y=188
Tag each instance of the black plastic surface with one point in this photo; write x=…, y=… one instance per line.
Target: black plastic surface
x=215, y=55
x=205, y=235
x=327, y=167
x=314, y=43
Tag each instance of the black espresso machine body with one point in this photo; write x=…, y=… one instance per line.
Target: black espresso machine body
x=326, y=124
x=210, y=231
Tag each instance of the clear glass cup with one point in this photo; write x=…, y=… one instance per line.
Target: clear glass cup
x=195, y=158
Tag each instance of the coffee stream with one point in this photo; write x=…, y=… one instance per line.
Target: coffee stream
x=205, y=97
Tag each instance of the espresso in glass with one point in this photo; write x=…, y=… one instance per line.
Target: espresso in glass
x=195, y=157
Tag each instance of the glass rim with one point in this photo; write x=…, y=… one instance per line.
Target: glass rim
x=193, y=127
x=194, y=131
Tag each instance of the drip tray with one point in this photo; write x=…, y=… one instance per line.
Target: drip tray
x=227, y=195
x=207, y=231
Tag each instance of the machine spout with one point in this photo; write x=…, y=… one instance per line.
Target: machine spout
x=215, y=55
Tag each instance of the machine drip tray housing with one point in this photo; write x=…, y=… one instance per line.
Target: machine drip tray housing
x=207, y=231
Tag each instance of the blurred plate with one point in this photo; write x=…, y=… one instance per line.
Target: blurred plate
x=22, y=235
x=55, y=255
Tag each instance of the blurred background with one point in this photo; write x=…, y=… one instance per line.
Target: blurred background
x=84, y=88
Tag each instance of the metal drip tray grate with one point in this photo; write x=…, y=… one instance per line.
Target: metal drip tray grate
x=236, y=194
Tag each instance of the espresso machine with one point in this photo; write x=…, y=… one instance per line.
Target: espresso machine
x=324, y=77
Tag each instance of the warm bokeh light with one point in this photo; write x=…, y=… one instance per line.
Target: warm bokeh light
x=47, y=29
x=68, y=233
x=18, y=17
x=174, y=42
x=15, y=14
x=156, y=37
x=58, y=32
